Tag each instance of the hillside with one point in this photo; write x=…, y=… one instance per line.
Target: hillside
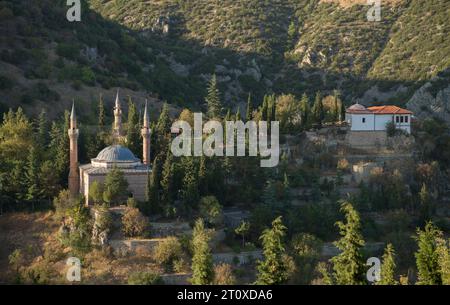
x=169, y=49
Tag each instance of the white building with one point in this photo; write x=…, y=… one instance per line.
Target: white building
x=376, y=118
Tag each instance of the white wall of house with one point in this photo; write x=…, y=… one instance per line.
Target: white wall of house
x=403, y=122
x=378, y=122
x=362, y=122
x=381, y=121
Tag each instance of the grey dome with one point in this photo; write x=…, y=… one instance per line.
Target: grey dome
x=116, y=153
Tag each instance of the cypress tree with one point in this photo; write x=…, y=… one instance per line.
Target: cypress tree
x=133, y=129
x=238, y=114
x=189, y=191
x=249, y=112
x=304, y=109
x=213, y=99
x=202, y=177
x=318, y=110
x=387, y=274
x=202, y=263
x=273, y=269
x=162, y=131
x=348, y=266
x=153, y=186
x=427, y=257
x=167, y=184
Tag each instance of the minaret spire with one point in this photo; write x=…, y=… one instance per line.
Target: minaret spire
x=146, y=133
x=74, y=180
x=117, y=132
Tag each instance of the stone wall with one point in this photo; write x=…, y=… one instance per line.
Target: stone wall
x=241, y=258
x=363, y=139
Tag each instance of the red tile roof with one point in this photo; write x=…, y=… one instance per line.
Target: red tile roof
x=388, y=110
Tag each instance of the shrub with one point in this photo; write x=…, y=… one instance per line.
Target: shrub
x=168, y=251
x=145, y=278
x=210, y=209
x=224, y=275
x=134, y=223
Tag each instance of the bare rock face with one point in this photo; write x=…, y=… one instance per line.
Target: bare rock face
x=425, y=104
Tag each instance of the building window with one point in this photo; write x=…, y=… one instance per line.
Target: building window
x=363, y=120
x=397, y=119
x=406, y=119
x=401, y=119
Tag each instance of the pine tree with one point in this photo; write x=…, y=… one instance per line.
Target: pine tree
x=115, y=187
x=213, y=99
x=273, y=269
x=32, y=176
x=443, y=250
x=427, y=257
x=318, y=111
x=304, y=109
x=202, y=263
x=133, y=129
x=167, y=184
x=387, y=273
x=348, y=266
x=249, y=112
x=59, y=148
x=42, y=131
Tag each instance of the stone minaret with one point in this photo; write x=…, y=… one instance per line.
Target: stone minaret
x=74, y=179
x=117, y=132
x=146, y=132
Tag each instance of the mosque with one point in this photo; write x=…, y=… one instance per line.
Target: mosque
x=115, y=156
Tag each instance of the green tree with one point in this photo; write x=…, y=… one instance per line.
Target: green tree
x=133, y=129
x=212, y=99
x=162, y=131
x=387, y=273
x=32, y=176
x=189, y=191
x=167, y=184
x=210, y=209
x=273, y=269
x=304, y=110
x=242, y=230
x=42, y=130
x=443, y=250
x=426, y=206
x=348, y=266
x=427, y=257
x=318, y=111
x=202, y=263
x=249, y=111
x=154, y=189
x=48, y=180
x=116, y=186
x=96, y=192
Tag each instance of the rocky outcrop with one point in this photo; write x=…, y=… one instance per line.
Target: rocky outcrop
x=424, y=104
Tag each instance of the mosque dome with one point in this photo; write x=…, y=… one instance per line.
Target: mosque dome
x=115, y=155
x=357, y=108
